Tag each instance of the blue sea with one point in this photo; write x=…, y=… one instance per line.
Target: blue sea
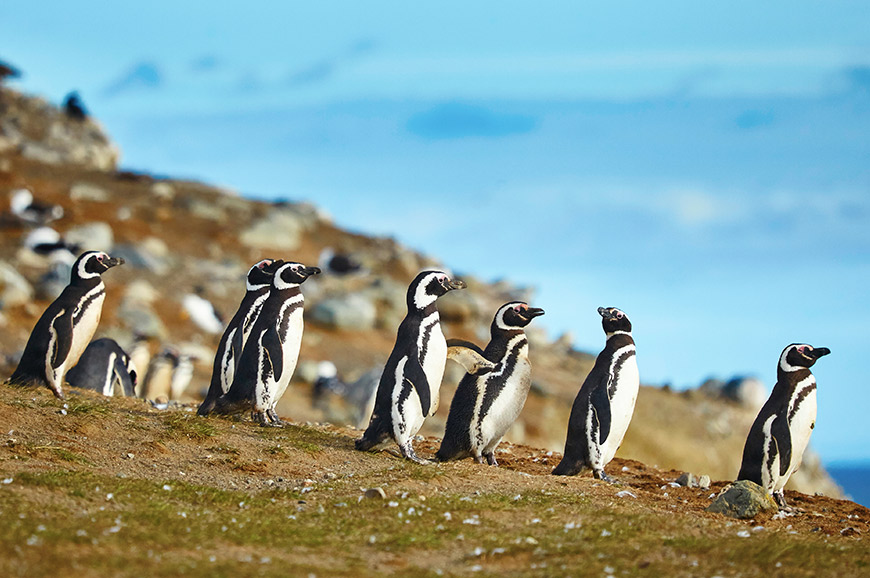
x=854, y=478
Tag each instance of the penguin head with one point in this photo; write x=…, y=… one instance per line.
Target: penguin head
x=291, y=274
x=515, y=315
x=262, y=273
x=613, y=320
x=429, y=286
x=800, y=356
x=92, y=264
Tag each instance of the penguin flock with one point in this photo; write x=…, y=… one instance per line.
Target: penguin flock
x=259, y=349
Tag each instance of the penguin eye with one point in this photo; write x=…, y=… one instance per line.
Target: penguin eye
x=803, y=349
x=620, y=314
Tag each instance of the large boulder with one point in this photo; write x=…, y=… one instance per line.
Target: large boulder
x=352, y=312
x=14, y=289
x=744, y=500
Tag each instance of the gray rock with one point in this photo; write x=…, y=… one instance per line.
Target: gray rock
x=163, y=190
x=40, y=153
x=687, y=480
x=88, y=192
x=54, y=281
x=279, y=230
x=744, y=500
x=151, y=255
x=14, y=289
x=704, y=482
x=375, y=494
x=459, y=307
x=352, y=312
x=207, y=210
x=142, y=321
x=92, y=237
x=747, y=391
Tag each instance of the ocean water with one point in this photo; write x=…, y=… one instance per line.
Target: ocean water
x=854, y=479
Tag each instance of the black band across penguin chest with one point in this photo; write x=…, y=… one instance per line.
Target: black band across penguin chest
x=801, y=385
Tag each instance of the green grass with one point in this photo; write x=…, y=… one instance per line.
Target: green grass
x=60, y=519
x=180, y=425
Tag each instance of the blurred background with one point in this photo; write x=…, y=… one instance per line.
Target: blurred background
x=706, y=168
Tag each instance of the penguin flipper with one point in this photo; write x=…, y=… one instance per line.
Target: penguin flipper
x=600, y=403
x=782, y=436
x=60, y=326
x=415, y=375
x=123, y=379
x=274, y=353
x=469, y=356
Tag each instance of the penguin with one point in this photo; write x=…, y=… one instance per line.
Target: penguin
x=74, y=108
x=140, y=355
x=202, y=312
x=106, y=368
x=338, y=263
x=258, y=281
x=269, y=357
x=23, y=206
x=408, y=391
x=491, y=395
x=8, y=72
x=67, y=325
x=169, y=374
x=781, y=431
x=604, y=406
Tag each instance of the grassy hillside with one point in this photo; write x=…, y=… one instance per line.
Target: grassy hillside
x=104, y=486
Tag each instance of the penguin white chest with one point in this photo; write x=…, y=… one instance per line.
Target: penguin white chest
x=291, y=343
x=86, y=318
x=802, y=419
x=433, y=356
x=507, y=404
x=623, y=388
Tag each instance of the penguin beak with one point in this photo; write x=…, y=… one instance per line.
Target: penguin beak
x=112, y=261
x=455, y=284
x=819, y=352
x=532, y=312
x=603, y=312
x=309, y=271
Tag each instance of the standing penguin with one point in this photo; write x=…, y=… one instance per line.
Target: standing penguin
x=781, y=431
x=489, y=399
x=232, y=343
x=67, y=325
x=106, y=368
x=269, y=357
x=604, y=406
x=408, y=391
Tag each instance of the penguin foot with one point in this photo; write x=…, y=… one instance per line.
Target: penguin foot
x=779, y=498
x=490, y=459
x=273, y=417
x=600, y=475
x=478, y=459
x=408, y=453
x=261, y=417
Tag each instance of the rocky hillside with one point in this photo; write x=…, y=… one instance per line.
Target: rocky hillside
x=181, y=238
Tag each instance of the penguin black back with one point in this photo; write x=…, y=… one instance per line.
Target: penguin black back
x=269, y=356
x=408, y=390
x=105, y=367
x=604, y=405
x=780, y=433
x=66, y=326
x=257, y=284
x=507, y=379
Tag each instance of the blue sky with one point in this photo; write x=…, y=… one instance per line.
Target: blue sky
x=705, y=168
